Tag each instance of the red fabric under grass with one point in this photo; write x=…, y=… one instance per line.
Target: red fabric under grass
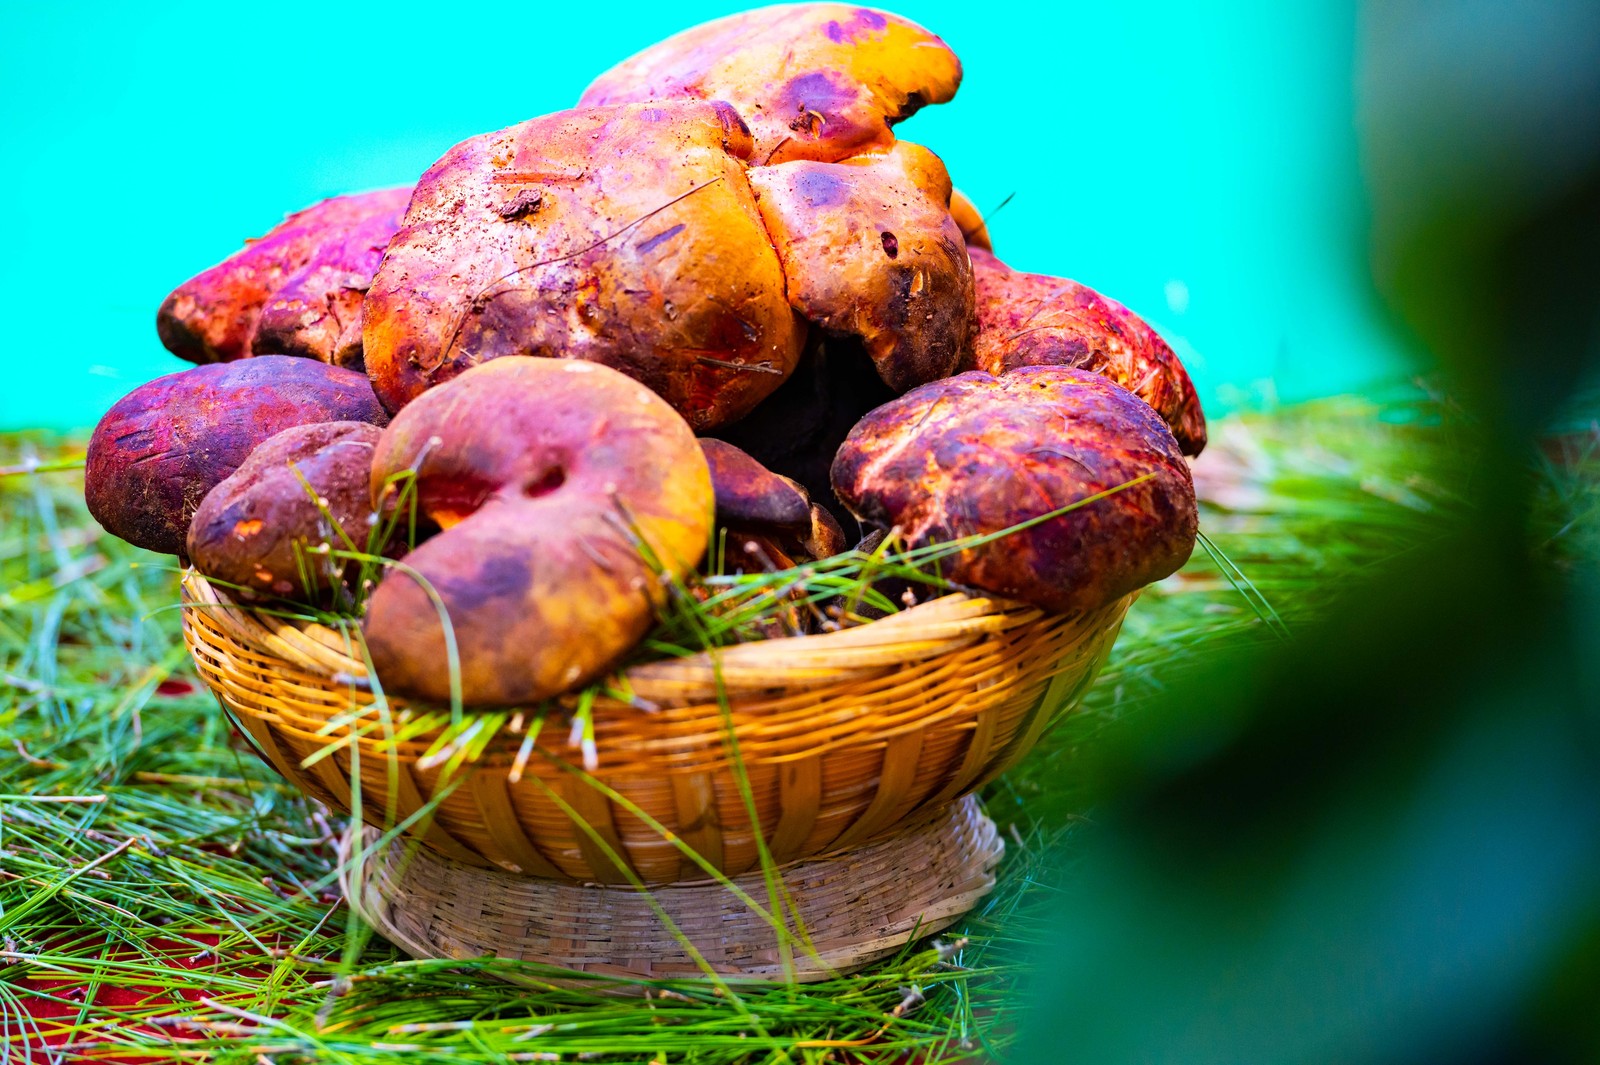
x=40, y=1031
x=175, y=688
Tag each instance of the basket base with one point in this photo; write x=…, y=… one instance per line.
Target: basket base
x=855, y=907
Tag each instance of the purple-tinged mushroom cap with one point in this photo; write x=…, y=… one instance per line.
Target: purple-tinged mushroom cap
x=295, y=291
x=298, y=490
x=814, y=81
x=163, y=446
x=750, y=496
x=975, y=455
x=1038, y=320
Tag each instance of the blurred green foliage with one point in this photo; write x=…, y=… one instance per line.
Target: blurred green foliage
x=1381, y=841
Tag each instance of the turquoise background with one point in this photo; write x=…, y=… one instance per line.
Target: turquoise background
x=1196, y=161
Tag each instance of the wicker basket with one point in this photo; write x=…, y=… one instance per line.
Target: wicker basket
x=841, y=911
x=844, y=737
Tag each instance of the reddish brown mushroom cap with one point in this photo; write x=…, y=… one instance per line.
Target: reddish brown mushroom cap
x=626, y=236
x=295, y=291
x=765, y=521
x=163, y=446
x=299, y=489
x=555, y=483
x=749, y=495
x=1038, y=320
x=814, y=81
x=826, y=538
x=975, y=454
x=869, y=250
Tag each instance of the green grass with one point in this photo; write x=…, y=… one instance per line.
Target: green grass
x=167, y=841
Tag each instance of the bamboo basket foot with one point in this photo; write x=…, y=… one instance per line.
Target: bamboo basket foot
x=855, y=907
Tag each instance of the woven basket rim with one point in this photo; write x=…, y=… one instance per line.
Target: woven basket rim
x=915, y=716
x=787, y=664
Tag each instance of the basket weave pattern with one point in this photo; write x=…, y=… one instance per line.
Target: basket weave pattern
x=855, y=907
x=844, y=737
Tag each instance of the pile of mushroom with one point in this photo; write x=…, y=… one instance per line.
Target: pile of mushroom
x=723, y=239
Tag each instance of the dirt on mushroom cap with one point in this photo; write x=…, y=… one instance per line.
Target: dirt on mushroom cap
x=626, y=236
x=870, y=250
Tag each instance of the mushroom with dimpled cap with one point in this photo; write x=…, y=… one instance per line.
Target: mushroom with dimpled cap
x=563, y=490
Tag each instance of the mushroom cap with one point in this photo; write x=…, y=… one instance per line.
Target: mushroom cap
x=796, y=431
x=163, y=446
x=554, y=484
x=253, y=528
x=750, y=496
x=295, y=291
x=624, y=235
x=869, y=250
x=815, y=81
x=825, y=538
x=974, y=230
x=765, y=520
x=976, y=454
x=1038, y=320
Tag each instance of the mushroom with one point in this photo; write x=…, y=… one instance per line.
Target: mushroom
x=815, y=81
x=769, y=520
x=766, y=523
x=974, y=228
x=975, y=454
x=870, y=250
x=624, y=235
x=163, y=446
x=565, y=493
x=1038, y=320
x=305, y=487
x=750, y=496
x=796, y=431
x=295, y=291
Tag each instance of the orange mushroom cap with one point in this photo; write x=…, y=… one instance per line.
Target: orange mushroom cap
x=974, y=230
x=625, y=235
x=870, y=250
x=814, y=81
x=560, y=487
